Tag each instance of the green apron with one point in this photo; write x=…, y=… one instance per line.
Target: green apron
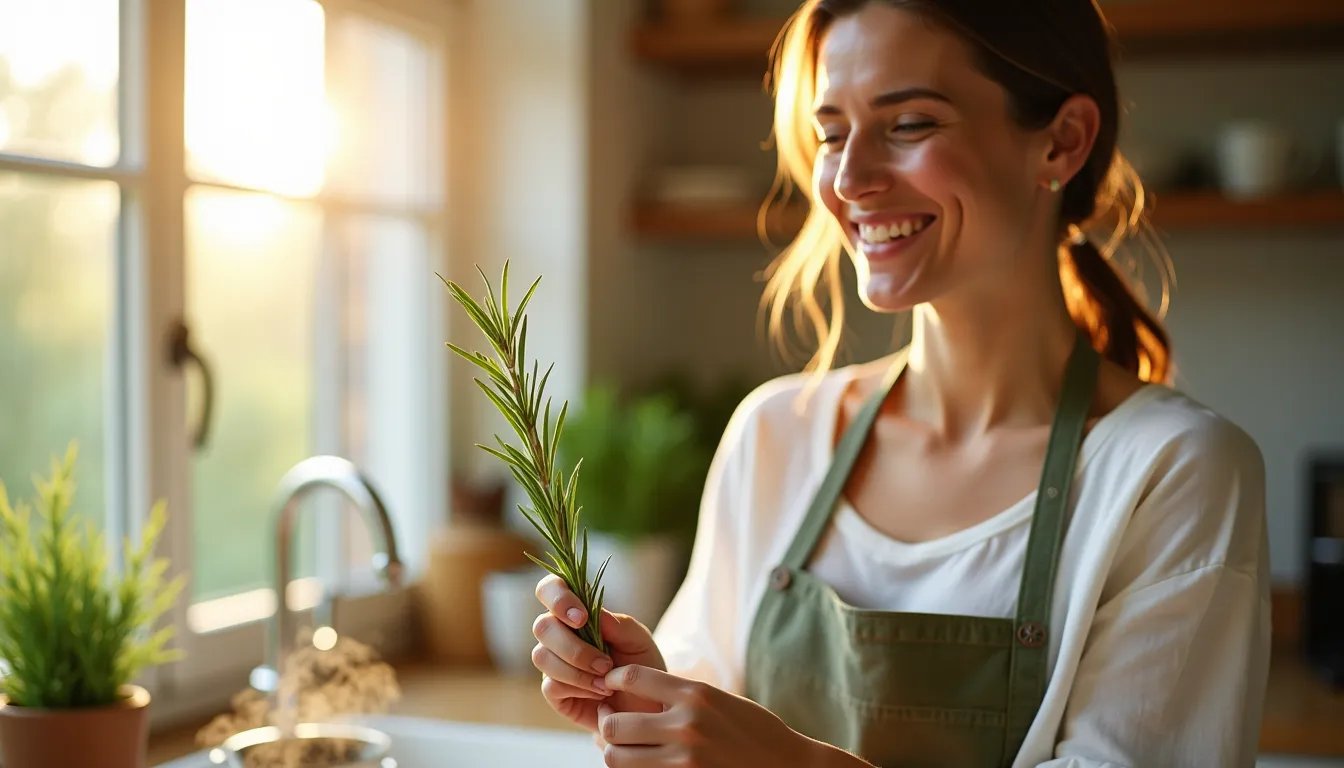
x=913, y=689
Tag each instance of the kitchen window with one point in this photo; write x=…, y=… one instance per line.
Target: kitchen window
x=263, y=181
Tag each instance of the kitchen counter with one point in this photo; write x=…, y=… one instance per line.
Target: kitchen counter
x=1302, y=716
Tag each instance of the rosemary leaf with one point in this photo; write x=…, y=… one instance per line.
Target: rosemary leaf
x=519, y=396
x=522, y=305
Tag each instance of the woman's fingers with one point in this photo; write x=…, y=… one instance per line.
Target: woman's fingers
x=555, y=691
x=561, y=671
x=634, y=728
x=561, y=640
x=557, y=598
x=649, y=683
x=626, y=635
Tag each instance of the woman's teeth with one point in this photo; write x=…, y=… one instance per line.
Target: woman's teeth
x=881, y=233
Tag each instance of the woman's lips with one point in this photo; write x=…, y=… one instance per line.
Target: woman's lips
x=888, y=237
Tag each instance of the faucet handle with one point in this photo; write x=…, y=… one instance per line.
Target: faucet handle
x=389, y=570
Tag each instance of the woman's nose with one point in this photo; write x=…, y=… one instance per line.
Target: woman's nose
x=862, y=171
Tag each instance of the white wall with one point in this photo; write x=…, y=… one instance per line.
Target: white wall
x=1258, y=324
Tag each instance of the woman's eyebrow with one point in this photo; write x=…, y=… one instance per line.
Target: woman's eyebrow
x=892, y=98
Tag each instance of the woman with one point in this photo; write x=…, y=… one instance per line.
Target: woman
x=1011, y=544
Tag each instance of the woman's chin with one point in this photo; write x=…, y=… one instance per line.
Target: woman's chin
x=883, y=293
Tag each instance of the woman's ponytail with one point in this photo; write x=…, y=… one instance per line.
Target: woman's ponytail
x=1120, y=327
x=1108, y=194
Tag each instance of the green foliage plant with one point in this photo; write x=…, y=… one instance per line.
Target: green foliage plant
x=644, y=466
x=72, y=630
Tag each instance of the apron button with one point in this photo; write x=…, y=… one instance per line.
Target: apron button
x=780, y=578
x=1031, y=634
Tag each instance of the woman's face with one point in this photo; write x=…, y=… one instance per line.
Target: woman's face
x=938, y=191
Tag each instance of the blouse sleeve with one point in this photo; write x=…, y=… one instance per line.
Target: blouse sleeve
x=696, y=633
x=1177, y=656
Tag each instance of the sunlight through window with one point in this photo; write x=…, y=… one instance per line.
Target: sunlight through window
x=58, y=80
x=256, y=108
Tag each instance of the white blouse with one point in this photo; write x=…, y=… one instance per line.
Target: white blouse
x=1160, y=632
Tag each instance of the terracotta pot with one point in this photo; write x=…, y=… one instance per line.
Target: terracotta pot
x=108, y=737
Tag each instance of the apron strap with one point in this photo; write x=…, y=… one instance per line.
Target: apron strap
x=1028, y=672
x=846, y=453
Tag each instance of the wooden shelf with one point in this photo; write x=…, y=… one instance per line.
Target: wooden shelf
x=1304, y=210
x=704, y=222
x=1138, y=21
x=1168, y=212
x=736, y=44
x=1144, y=27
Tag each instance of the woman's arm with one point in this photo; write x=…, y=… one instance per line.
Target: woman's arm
x=1177, y=655
x=697, y=631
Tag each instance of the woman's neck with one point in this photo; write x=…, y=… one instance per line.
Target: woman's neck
x=995, y=359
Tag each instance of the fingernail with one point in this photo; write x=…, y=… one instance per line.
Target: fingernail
x=575, y=616
x=603, y=710
x=602, y=666
x=600, y=686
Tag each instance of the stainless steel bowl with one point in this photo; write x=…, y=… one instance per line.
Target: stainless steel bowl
x=338, y=745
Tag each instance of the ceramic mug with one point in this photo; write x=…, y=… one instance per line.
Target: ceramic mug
x=1259, y=159
x=509, y=606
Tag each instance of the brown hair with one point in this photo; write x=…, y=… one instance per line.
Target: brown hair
x=1042, y=53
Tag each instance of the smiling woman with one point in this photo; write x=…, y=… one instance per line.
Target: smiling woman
x=1008, y=544
x=1025, y=84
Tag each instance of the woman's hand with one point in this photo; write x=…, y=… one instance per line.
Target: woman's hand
x=574, y=671
x=701, y=727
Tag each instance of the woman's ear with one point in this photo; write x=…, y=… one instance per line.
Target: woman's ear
x=1070, y=137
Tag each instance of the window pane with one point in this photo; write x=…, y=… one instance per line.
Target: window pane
x=56, y=294
x=251, y=261
x=384, y=85
x=58, y=80
x=256, y=112
x=389, y=342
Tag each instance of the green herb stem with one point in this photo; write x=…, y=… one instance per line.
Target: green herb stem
x=519, y=395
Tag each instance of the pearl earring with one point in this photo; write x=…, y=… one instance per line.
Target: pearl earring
x=1054, y=185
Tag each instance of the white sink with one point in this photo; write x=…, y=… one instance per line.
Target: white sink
x=419, y=742
x=424, y=743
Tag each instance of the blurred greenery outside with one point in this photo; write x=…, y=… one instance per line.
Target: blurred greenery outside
x=58, y=240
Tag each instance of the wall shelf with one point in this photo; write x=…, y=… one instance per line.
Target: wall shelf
x=1303, y=210
x=661, y=221
x=1169, y=213
x=1145, y=28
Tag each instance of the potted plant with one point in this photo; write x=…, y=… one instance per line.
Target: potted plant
x=643, y=472
x=74, y=633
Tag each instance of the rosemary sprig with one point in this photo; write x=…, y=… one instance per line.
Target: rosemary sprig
x=518, y=395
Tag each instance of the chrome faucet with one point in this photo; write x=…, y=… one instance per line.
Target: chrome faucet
x=302, y=478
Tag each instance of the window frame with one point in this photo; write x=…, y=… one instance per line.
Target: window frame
x=146, y=418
